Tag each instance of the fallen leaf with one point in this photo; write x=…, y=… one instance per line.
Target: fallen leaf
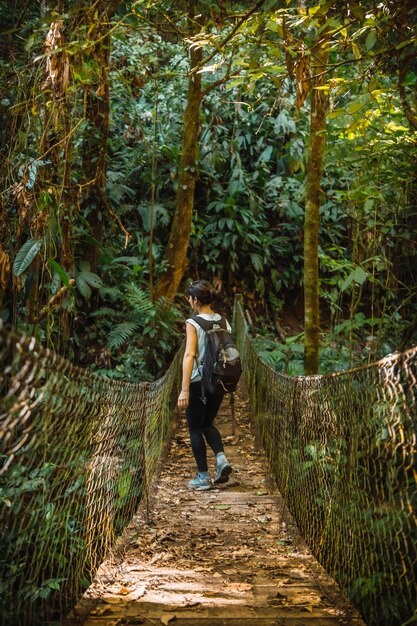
x=222, y=507
x=111, y=600
x=304, y=598
x=138, y=592
x=101, y=611
x=124, y=591
x=203, y=569
x=242, y=552
x=263, y=519
x=165, y=619
x=240, y=586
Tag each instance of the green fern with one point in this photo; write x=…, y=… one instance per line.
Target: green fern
x=113, y=293
x=106, y=311
x=146, y=325
x=160, y=215
x=121, y=333
x=138, y=300
x=167, y=316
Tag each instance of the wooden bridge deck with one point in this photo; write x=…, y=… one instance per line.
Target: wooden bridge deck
x=227, y=557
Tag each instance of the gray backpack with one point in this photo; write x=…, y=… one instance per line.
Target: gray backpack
x=222, y=366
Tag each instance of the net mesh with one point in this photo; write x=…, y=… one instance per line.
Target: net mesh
x=78, y=452
x=342, y=448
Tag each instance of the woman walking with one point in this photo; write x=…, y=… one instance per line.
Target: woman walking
x=201, y=411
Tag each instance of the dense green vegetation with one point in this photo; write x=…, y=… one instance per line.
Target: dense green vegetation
x=92, y=174
x=268, y=146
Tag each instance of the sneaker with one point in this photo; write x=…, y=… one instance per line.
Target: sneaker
x=223, y=471
x=200, y=484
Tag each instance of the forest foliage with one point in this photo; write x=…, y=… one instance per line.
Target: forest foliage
x=100, y=190
x=92, y=117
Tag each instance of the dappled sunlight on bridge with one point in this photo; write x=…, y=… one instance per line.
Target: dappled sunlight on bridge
x=231, y=555
x=80, y=452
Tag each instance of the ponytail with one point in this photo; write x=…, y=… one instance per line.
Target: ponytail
x=203, y=291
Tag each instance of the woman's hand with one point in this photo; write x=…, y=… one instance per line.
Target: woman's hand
x=183, y=399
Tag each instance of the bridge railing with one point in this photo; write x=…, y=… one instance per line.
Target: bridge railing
x=343, y=450
x=77, y=453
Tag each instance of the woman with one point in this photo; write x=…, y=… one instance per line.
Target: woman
x=200, y=415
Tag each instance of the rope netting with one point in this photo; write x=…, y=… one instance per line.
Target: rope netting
x=342, y=448
x=78, y=452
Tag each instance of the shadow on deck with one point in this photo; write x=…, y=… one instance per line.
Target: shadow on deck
x=231, y=556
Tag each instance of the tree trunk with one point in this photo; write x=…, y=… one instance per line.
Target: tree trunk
x=176, y=251
x=97, y=114
x=319, y=99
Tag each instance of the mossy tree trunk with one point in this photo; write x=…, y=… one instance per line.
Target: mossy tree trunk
x=176, y=251
x=52, y=189
x=98, y=115
x=319, y=98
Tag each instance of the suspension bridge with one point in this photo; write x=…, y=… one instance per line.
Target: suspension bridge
x=80, y=455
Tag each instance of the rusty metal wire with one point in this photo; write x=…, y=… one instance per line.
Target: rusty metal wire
x=343, y=450
x=77, y=454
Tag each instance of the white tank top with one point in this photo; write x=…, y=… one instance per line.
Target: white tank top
x=215, y=317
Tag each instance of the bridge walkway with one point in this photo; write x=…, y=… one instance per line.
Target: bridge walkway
x=231, y=556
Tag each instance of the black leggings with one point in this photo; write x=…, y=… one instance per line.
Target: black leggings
x=200, y=418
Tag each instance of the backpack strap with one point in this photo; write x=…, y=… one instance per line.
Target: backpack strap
x=208, y=324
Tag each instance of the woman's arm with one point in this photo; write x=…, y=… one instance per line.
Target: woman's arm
x=187, y=365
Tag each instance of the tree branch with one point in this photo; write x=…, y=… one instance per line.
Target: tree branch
x=113, y=214
x=226, y=40
x=55, y=300
x=221, y=81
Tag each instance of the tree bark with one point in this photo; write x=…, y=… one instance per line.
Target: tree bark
x=409, y=111
x=98, y=116
x=176, y=251
x=319, y=99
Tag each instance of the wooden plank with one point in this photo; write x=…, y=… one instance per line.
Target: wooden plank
x=231, y=556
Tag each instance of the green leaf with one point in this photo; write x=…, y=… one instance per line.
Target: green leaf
x=26, y=255
x=355, y=107
x=266, y=154
x=257, y=262
x=124, y=485
x=91, y=279
x=358, y=11
x=356, y=51
x=360, y=276
x=82, y=285
x=60, y=271
x=276, y=27
x=347, y=282
x=129, y=260
x=369, y=205
x=370, y=40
